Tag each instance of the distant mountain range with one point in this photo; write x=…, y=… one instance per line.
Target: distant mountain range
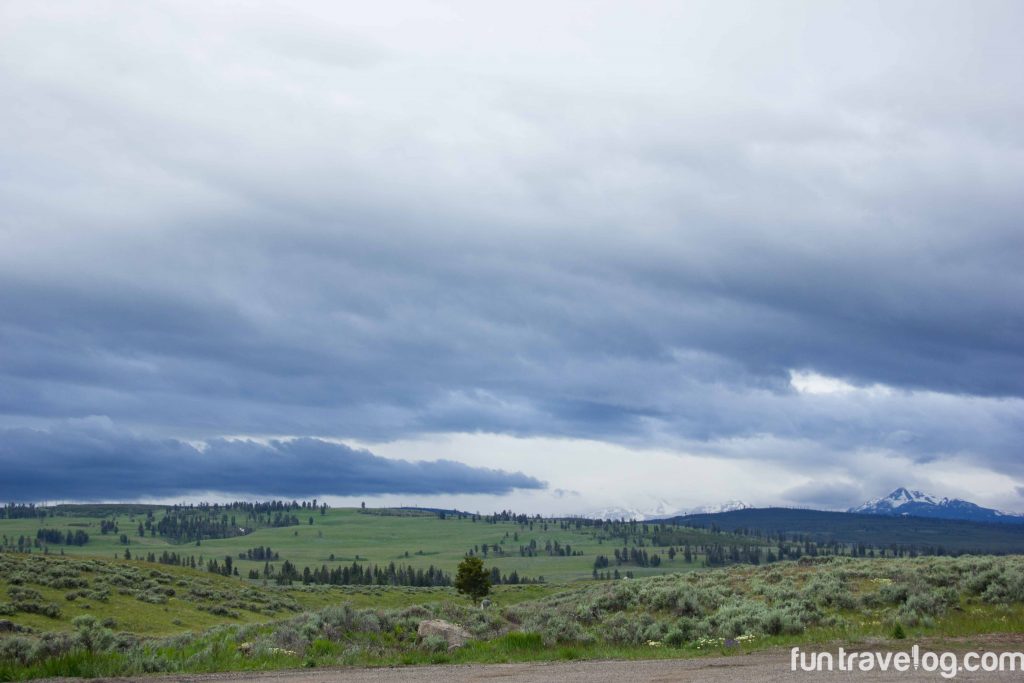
x=905, y=502
x=902, y=502
x=663, y=509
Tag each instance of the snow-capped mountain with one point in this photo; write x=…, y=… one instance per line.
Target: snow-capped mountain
x=897, y=499
x=615, y=513
x=915, y=503
x=727, y=506
x=664, y=510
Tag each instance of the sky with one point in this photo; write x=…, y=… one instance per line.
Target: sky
x=548, y=257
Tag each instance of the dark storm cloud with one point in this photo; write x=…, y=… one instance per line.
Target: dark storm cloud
x=830, y=496
x=90, y=460
x=629, y=231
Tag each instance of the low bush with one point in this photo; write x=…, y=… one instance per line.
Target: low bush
x=16, y=649
x=92, y=635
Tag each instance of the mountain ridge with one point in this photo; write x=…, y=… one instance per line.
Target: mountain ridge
x=904, y=502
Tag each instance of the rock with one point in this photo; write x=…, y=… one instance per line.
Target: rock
x=485, y=603
x=454, y=635
x=7, y=626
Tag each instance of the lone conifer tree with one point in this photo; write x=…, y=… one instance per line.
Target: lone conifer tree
x=472, y=580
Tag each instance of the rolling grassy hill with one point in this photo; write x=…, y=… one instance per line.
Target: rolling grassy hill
x=416, y=538
x=45, y=593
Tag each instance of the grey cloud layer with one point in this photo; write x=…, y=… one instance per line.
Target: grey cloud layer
x=90, y=460
x=627, y=228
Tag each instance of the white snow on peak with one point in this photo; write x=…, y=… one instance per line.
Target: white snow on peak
x=727, y=506
x=663, y=509
x=899, y=497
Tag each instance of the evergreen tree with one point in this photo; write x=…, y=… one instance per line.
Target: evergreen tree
x=472, y=580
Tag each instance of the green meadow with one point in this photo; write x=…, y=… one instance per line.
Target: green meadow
x=419, y=539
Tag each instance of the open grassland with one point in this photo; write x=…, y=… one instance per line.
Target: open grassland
x=368, y=537
x=45, y=593
x=726, y=610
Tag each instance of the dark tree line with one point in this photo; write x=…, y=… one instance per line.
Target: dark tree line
x=22, y=511
x=354, y=575
x=173, y=558
x=357, y=574
x=189, y=525
x=634, y=555
x=511, y=579
x=259, y=554
x=186, y=526
x=255, y=507
x=58, y=537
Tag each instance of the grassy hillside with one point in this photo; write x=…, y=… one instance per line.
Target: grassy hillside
x=721, y=611
x=45, y=593
x=419, y=539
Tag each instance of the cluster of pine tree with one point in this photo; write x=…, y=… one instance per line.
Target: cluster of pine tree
x=511, y=579
x=22, y=511
x=173, y=559
x=22, y=544
x=226, y=569
x=58, y=537
x=355, y=574
x=186, y=526
x=613, y=575
x=634, y=555
x=259, y=554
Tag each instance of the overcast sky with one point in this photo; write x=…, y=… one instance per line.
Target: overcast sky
x=553, y=257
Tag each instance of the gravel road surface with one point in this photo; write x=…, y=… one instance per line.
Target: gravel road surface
x=770, y=666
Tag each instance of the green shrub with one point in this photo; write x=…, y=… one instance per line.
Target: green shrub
x=778, y=622
x=16, y=649
x=829, y=590
x=435, y=644
x=676, y=638
x=52, y=644
x=740, y=616
x=20, y=594
x=623, y=629
x=1008, y=586
x=152, y=597
x=894, y=593
x=90, y=634
x=288, y=637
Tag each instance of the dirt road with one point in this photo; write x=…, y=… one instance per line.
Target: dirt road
x=773, y=666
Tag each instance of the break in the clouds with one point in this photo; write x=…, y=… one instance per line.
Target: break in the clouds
x=782, y=234
x=92, y=460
